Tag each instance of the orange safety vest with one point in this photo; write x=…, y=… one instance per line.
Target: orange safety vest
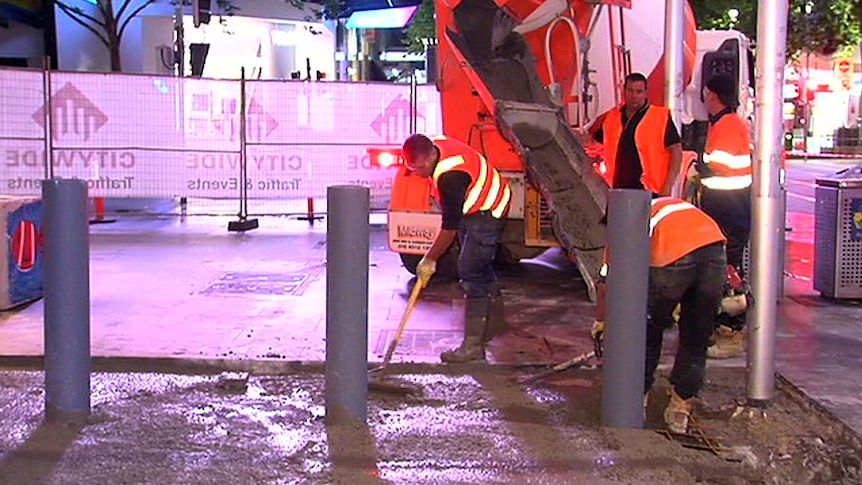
x=728, y=154
x=677, y=228
x=488, y=191
x=649, y=139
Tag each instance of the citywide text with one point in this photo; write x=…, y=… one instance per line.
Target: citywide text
x=233, y=183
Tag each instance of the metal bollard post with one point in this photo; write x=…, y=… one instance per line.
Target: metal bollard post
x=67, y=299
x=628, y=284
x=347, y=233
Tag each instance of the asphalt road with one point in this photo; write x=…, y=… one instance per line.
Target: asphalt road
x=801, y=180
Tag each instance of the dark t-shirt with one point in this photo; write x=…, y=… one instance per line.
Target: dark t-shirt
x=452, y=187
x=628, y=163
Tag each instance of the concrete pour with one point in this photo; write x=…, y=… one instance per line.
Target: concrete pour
x=468, y=426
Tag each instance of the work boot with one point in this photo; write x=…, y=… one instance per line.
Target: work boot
x=472, y=348
x=497, y=324
x=726, y=343
x=678, y=412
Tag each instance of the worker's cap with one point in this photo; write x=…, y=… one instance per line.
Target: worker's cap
x=416, y=149
x=724, y=86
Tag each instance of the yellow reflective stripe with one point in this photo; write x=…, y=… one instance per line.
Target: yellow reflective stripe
x=666, y=211
x=504, y=202
x=476, y=191
x=603, y=271
x=492, y=193
x=727, y=183
x=727, y=159
x=449, y=163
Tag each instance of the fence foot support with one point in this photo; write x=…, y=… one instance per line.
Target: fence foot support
x=99, y=204
x=310, y=215
x=242, y=225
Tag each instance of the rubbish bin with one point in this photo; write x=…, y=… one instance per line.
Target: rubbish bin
x=838, y=234
x=21, y=261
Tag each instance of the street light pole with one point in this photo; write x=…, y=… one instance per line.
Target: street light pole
x=768, y=213
x=673, y=48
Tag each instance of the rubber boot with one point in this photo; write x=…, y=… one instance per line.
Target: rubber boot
x=472, y=348
x=497, y=324
x=727, y=343
x=678, y=412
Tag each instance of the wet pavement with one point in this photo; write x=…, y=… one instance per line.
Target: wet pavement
x=180, y=295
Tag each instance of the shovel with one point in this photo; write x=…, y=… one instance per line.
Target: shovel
x=579, y=360
x=399, y=334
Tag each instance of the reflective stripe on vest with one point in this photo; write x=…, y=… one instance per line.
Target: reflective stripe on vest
x=488, y=191
x=728, y=154
x=678, y=228
x=666, y=211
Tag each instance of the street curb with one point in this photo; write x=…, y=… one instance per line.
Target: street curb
x=844, y=432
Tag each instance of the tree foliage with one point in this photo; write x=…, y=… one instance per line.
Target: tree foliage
x=813, y=26
x=423, y=27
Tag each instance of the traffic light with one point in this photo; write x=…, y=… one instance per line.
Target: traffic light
x=201, y=12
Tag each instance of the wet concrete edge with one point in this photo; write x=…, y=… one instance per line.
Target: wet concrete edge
x=843, y=432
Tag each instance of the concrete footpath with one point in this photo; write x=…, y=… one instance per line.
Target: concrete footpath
x=176, y=300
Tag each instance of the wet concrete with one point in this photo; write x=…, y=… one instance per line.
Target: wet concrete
x=470, y=428
x=181, y=295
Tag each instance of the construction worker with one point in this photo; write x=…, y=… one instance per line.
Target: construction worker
x=687, y=268
x=474, y=199
x=725, y=193
x=642, y=147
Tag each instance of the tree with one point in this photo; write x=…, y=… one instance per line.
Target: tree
x=813, y=26
x=109, y=22
x=423, y=26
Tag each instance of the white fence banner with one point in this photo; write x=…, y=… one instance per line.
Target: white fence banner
x=151, y=136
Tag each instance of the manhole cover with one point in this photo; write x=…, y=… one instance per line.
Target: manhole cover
x=418, y=342
x=259, y=284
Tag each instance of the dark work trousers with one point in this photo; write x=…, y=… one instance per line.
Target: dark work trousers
x=731, y=209
x=479, y=236
x=694, y=282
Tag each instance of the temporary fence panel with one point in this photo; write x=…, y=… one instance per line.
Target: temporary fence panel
x=152, y=136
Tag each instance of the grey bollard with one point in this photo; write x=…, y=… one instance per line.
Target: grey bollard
x=625, y=332
x=347, y=232
x=67, y=300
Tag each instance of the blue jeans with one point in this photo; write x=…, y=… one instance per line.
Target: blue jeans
x=479, y=236
x=695, y=282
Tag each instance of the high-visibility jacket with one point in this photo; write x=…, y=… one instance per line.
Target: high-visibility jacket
x=728, y=154
x=488, y=191
x=649, y=139
x=678, y=228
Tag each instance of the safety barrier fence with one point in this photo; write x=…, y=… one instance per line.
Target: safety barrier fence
x=142, y=136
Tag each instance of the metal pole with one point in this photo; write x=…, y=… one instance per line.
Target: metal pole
x=47, y=119
x=414, y=99
x=768, y=218
x=628, y=283
x=67, y=300
x=347, y=233
x=673, y=48
x=243, y=160
x=180, y=47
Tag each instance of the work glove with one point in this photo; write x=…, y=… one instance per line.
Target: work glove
x=425, y=270
x=598, y=334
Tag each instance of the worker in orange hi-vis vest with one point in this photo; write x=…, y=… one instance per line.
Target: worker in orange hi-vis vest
x=726, y=176
x=642, y=147
x=474, y=198
x=687, y=268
